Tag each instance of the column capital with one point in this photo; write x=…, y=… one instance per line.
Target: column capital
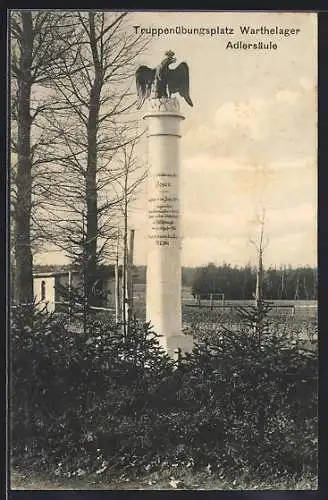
x=163, y=117
x=164, y=106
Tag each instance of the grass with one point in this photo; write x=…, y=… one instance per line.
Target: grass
x=184, y=480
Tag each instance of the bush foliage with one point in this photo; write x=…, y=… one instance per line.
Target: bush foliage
x=98, y=401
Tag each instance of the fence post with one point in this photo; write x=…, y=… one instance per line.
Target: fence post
x=211, y=301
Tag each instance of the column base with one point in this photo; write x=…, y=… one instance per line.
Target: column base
x=172, y=344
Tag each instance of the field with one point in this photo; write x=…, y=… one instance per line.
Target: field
x=296, y=319
x=299, y=308
x=139, y=296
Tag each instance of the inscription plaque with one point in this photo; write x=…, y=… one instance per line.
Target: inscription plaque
x=163, y=209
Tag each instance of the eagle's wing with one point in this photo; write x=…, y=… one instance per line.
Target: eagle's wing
x=144, y=79
x=178, y=81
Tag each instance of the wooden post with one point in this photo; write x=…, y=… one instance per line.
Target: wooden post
x=123, y=301
x=69, y=296
x=117, y=285
x=117, y=293
x=211, y=301
x=85, y=288
x=130, y=277
x=125, y=264
x=127, y=284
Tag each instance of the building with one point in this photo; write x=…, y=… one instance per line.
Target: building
x=51, y=289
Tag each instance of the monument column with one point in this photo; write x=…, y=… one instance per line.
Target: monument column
x=163, y=295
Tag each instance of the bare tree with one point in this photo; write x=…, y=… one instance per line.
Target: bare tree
x=38, y=43
x=90, y=133
x=260, y=247
x=261, y=307
x=133, y=174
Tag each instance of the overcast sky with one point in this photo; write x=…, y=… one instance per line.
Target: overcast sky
x=248, y=143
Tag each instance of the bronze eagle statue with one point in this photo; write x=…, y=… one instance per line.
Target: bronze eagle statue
x=163, y=80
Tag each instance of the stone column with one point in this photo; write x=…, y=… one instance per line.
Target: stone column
x=163, y=294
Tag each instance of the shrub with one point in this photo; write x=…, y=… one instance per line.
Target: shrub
x=244, y=398
x=73, y=395
x=256, y=396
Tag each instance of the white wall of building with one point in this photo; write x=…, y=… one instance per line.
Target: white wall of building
x=48, y=283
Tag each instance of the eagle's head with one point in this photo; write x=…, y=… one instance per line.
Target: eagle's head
x=170, y=56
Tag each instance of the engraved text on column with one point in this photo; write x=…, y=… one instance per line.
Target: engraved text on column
x=163, y=211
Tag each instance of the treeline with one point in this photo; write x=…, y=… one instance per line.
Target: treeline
x=289, y=283
x=239, y=282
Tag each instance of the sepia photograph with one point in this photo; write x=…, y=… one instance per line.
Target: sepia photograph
x=163, y=326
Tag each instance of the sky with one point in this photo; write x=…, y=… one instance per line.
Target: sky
x=248, y=144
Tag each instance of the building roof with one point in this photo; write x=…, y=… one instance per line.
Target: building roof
x=102, y=272
x=50, y=274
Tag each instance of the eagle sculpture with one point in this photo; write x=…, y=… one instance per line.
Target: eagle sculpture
x=163, y=81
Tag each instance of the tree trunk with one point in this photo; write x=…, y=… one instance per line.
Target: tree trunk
x=259, y=282
x=125, y=260
x=24, y=271
x=91, y=196
x=91, y=173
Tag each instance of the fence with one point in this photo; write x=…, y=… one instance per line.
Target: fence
x=228, y=306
